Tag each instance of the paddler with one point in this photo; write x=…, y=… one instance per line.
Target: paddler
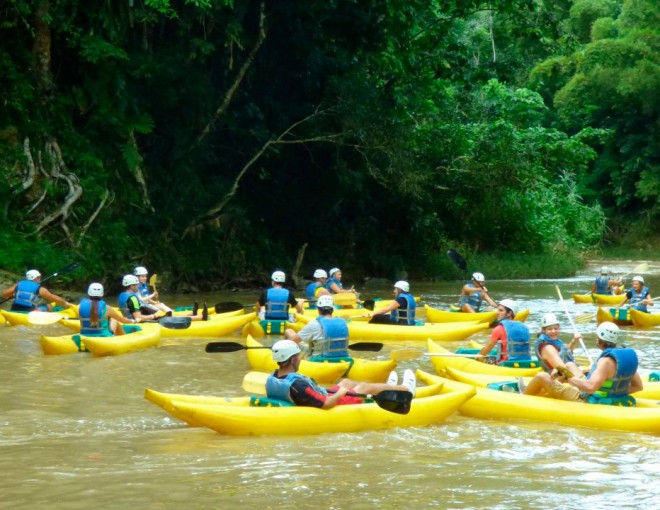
x=96, y=317
x=317, y=287
x=402, y=308
x=277, y=300
x=474, y=293
x=638, y=296
x=288, y=385
x=511, y=336
x=28, y=292
x=143, y=289
x=604, y=284
x=327, y=336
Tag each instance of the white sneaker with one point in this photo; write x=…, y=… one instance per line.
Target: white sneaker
x=521, y=385
x=393, y=379
x=410, y=381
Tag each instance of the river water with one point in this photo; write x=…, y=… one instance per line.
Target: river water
x=76, y=433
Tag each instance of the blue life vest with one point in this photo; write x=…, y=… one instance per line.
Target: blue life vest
x=564, y=352
x=143, y=290
x=280, y=389
x=122, y=302
x=617, y=387
x=404, y=315
x=335, y=338
x=85, y=311
x=637, y=298
x=329, y=283
x=602, y=285
x=517, y=340
x=26, y=294
x=473, y=299
x=277, y=304
x=310, y=293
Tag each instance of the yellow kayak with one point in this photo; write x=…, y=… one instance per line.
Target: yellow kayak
x=448, y=332
x=449, y=359
x=143, y=336
x=643, y=319
x=21, y=318
x=323, y=372
x=620, y=316
x=247, y=420
x=601, y=299
x=441, y=316
x=498, y=405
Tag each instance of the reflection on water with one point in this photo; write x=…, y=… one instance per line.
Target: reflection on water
x=75, y=432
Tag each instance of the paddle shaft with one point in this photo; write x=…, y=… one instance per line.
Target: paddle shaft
x=64, y=270
x=570, y=319
x=213, y=347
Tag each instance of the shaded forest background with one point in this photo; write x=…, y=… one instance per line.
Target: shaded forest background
x=217, y=140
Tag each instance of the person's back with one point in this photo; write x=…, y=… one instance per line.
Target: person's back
x=517, y=341
x=335, y=342
x=26, y=295
x=92, y=312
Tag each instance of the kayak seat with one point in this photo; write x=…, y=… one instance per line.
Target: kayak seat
x=77, y=340
x=506, y=386
x=259, y=401
x=131, y=329
x=654, y=377
x=273, y=327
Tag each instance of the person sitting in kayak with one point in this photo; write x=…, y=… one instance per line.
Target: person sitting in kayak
x=638, y=296
x=277, y=300
x=288, y=385
x=317, y=287
x=334, y=284
x=28, y=292
x=604, y=284
x=613, y=376
x=611, y=380
x=474, y=293
x=402, y=309
x=327, y=336
x=511, y=336
x=143, y=290
x=96, y=317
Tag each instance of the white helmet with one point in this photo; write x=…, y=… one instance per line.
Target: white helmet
x=95, y=290
x=278, y=276
x=478, y=277
x=334, y=270
x=284, y=349
x=325, y=301
x=639, y=279
x=130, y=279
x=604, y=270
x=608, y=332
x=510, y=304
x=403, y=285
x=549, y=319
x=32, y=274
x=140, y=271
x=320, y=273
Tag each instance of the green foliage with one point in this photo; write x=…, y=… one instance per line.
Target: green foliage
x=585, y=13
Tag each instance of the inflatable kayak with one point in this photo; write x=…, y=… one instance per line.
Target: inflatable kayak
x=643, y=319
x=240, y=417
x=600, y=299
x=498, y=405
x=136, y=337
x=435, y=316
x=620, y=316
x=21, y=318
x=323, y=372
x=450, y=359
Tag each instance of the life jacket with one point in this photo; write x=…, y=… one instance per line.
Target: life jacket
x=331, y=280
x=474, y=299
x=85, y=311
x=564, y=352
x=26, y=294
x=517, y=341
x=637, y=298
x=280, y=389
x=335, y=338
x=143, y=290
x=405, y=315
x=310, y=293
x=615, y=390
x=122, y=302
x=602, y=285
x=277, y=304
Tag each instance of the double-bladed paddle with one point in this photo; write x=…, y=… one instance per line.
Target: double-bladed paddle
x=394, y=401
x=570, y=319
x=235, y=346
x=71, y=267
x=232, y=306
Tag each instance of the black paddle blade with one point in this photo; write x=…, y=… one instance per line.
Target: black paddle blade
x=224, y=347
x=394, y=401
x=228, y=306
x=175, y=322
x=366, y=346
x=457, y=259
x=368, y=304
